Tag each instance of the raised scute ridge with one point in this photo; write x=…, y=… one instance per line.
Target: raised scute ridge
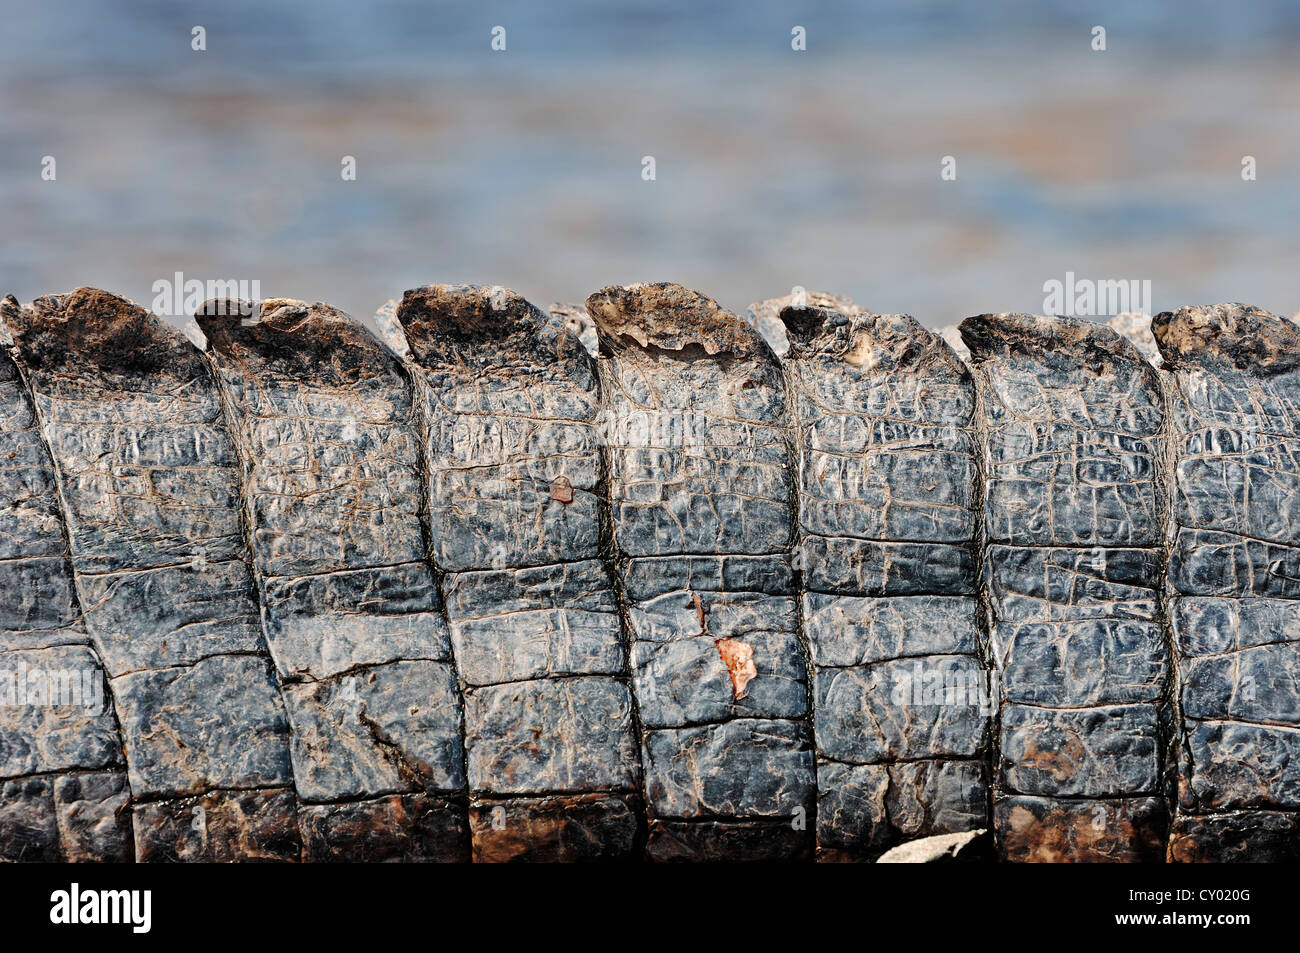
x=296, y=339
x=509, y=406
x=1233, y=609
x=93, y=328
x=10, y=310
x=1249, y=339
x=698, y=463
x=882, y=342
x=669, y=317
x=323, y=415
x=1056, y=341
x=454, y=324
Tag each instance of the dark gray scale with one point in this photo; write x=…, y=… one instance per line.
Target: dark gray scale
x=325, y=421
x=1234, y=572
x=886, y=481
x=510, y=404
x=63, y=788
x=149, y=485
x=1072, y=425
x=697, y=445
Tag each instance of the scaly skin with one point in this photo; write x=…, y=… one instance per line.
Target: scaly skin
x=510, y=407
x=1234, y=578
x=465, y=590
x=1071, y=421
x=325, y=421
x=887, y=466
x=149, y=485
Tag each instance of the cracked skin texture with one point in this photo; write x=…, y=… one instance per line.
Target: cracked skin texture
x=147, y=479
x=510, y=400
x=666, y=317
x=705, y=483
x=474, y=326
x=1234, y=375
x=1231, y=747
x=92, y=329
x=324, y=416
x=887, y=477
x=295, y=339
x=1072, y=427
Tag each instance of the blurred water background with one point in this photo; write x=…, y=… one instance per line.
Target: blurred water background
x=774, y=168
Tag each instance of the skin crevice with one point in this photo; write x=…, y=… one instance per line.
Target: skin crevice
x=640, y=579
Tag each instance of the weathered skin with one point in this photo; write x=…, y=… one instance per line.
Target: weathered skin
x=701, y=510
x=63, y=790
x=886, y=456
x=1041, y=830
x=1235, y=397
x=470, y=593
x=149, y=488
x=510, y=402
x=1074, y=525
x=325, y=421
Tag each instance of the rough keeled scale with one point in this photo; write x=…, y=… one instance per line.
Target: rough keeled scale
x=619, y=581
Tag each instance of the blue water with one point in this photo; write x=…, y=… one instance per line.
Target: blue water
x=774, y=168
